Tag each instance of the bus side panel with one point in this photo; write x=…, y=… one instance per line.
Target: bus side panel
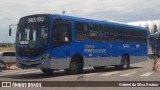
x=106, y=61
x=140, y=54
x=91, y=56
x=136, y=59
x=60, y=57
x=60, y=63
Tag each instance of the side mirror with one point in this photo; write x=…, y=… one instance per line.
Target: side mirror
x=10, y=31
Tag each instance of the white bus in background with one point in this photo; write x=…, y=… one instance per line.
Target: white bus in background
x=152, y=26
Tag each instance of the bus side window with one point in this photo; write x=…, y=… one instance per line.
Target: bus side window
x=122, y=34
x=96, y=32
x=81, y=31
x=110, y=33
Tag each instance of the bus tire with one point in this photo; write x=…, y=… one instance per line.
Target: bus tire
x=124, y=63
x=99, y=68
x=75, y=66
x=47, y=71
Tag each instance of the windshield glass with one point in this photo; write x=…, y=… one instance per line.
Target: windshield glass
x=32, y=35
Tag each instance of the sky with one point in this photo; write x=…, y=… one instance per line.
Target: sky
x=116, y=10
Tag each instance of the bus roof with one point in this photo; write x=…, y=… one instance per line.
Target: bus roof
x=107, y=22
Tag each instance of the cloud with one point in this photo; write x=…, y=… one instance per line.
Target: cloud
x=118, y=10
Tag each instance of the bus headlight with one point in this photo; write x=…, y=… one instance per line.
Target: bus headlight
x=45, y=56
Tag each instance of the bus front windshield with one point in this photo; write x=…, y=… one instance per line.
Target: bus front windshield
x=32, y=35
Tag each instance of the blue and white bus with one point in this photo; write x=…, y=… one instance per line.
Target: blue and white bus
x=54, y=42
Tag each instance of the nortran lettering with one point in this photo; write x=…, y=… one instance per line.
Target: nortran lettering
x=35, y=19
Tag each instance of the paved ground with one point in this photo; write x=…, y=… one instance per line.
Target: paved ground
x=138, y=72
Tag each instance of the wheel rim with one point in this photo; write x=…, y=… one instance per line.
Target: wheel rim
x=74, y=65
x=125, y=63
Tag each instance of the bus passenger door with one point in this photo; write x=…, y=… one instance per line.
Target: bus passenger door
x=62, y=38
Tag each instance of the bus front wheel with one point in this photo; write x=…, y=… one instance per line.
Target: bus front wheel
x=75, y=66
x=47, y=71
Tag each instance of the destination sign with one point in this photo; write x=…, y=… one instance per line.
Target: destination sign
x=35, y=19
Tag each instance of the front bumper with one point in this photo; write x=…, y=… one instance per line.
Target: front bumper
x=53, y=63
x=44, y=63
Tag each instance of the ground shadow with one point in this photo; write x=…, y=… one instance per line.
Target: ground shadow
x=40, y=75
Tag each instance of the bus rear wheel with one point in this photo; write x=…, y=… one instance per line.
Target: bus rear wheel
x=47, y=71
x=75, y=66
x=124, y=63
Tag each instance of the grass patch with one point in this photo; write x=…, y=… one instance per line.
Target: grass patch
x=7, y=48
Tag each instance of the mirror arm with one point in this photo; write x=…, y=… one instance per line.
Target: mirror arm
x=11, y=29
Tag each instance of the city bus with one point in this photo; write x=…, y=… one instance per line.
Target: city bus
x=154, y=40
x=59, y=42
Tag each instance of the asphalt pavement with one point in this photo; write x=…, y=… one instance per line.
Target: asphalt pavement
x=138, y=72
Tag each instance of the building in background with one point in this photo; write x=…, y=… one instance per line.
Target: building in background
x=152, y=26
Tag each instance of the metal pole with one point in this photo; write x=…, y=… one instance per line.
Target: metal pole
x=63, y=12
